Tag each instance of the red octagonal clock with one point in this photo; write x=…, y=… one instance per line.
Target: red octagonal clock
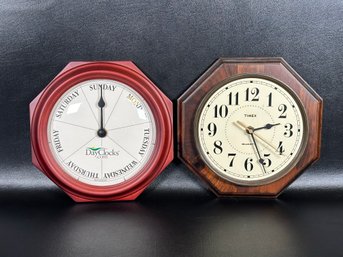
x=101, y=131
x=249, y=126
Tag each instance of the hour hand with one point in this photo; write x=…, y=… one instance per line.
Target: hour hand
x=101, y=132
x=101, y=102
x=267, y=126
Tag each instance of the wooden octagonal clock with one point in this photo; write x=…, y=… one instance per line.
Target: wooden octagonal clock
x=101, y=131
x=249, y=126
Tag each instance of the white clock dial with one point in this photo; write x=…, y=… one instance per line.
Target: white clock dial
x=101, y=132
x=251, y=130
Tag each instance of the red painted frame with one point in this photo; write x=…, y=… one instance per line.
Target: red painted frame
x=125, y=72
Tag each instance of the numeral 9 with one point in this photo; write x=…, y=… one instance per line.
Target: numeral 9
x=212, y=129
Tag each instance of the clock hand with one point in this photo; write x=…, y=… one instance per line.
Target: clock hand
x=267, y=126
x=261, y=139
x=250, y=131
x=101, y=132
x=260, y=160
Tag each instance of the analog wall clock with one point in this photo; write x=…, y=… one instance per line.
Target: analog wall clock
x=249, y=126
x=101, y=131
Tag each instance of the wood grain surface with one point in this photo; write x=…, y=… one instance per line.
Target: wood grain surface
x=224, y=68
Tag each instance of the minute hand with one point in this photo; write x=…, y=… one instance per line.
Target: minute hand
x=260, y=160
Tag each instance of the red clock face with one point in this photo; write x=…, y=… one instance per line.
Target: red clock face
x=98, y=131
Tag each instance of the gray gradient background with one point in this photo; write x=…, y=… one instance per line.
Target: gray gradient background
x=173, y=42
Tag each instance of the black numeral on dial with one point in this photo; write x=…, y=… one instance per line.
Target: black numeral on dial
x=282, y=108
x=280, y=148
x=221, y=111
x=270, y=99
x=231, y=158
x=266, y=161
x=252, y=94
x=233, y=99
x=289, y=131
x=218, y=149
x=212, y=129
x=248, y=164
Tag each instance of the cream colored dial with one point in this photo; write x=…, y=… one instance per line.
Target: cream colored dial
x=251, y=130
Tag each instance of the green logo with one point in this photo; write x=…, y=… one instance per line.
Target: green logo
x=95, y=148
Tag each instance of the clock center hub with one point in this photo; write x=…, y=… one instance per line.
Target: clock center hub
x=252, y=116
x=102, y=133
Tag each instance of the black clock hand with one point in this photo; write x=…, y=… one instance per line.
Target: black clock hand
x=101, y=132
x=260, y=160
x=267, y=126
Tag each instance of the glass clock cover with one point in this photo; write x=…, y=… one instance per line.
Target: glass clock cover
x=102, y=131
x=251, y=130
x=74, y=124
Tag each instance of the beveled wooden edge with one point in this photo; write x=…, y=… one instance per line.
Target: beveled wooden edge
x=320, y=102
x=216, y=64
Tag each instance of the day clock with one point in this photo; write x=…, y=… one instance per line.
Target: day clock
x=101, y=131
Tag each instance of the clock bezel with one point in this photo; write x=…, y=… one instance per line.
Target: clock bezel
x=122, y=72
x=277, y=175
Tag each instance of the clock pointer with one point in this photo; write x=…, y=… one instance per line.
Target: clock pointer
x=250, y=131
x=261, y=139
x=267, y=126
x=101, y=132
x=260, y=160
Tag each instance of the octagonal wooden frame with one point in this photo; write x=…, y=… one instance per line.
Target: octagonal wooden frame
x=222, y=69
